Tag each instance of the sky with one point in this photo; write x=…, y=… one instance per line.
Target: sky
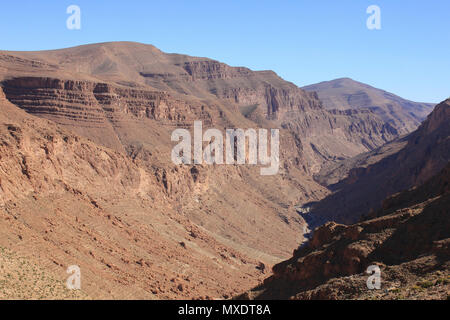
x=303, y=41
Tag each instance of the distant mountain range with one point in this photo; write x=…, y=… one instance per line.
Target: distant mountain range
x=345, y=93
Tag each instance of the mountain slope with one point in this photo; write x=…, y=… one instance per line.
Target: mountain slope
x=345, y=93
x=66, y=201
x=409, y=239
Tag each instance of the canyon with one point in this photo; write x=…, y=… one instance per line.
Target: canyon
x=406, y=235
x=86, y=175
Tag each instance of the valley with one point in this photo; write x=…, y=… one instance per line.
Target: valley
x=87, y=177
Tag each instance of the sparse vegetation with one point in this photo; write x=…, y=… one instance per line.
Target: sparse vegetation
x=425, y=284
x=21, y=279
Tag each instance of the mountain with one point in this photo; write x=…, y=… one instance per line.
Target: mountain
x=407, y=235
x=120, y=79
x=345, y=93
x=408, y=239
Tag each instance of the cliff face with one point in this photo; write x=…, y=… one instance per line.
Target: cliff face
x=49, y=161
x=87, y=101
x=92, y=102
x=211, y=70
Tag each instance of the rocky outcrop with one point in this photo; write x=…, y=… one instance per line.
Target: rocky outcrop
x=48, y=161
x=92, y=102
x=274, y=101
x=212, y=70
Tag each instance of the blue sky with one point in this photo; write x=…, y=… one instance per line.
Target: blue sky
x=304, y=41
